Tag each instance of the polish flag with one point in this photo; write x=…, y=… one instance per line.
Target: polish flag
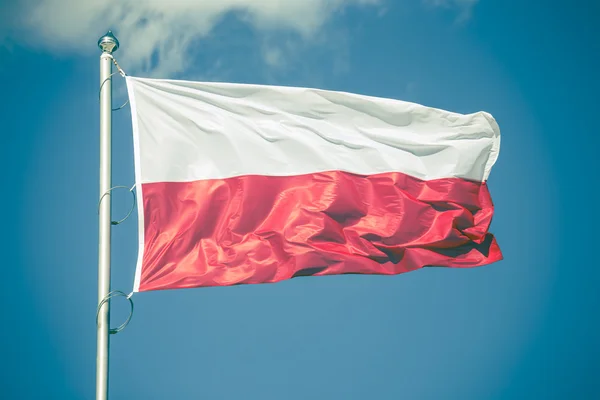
x=245, y=184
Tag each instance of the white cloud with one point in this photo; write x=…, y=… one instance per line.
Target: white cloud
x=158, y=37
x=158, y=34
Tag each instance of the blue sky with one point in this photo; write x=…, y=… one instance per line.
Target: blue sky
x=525, y=327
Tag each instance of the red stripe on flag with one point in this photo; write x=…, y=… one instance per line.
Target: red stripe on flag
x=259, y=229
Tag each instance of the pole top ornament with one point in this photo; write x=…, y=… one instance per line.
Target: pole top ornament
x=108, y=43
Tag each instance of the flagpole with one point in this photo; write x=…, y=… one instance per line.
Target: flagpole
x=108, y=44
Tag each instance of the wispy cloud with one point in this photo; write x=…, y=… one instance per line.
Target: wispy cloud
x=159, y=33
x=273, y=56
x=464, y=7
x=162, y=37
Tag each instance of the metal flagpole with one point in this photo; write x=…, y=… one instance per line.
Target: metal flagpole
x=108, y=44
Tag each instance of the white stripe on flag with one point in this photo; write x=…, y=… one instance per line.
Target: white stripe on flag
x=190, y=131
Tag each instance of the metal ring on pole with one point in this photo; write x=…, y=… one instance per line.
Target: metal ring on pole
x=122, y=105
x=107, y=298
x=132, y=206
x=120, y=72
x=104, y=81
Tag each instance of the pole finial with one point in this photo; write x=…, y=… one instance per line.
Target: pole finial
x=108, y=43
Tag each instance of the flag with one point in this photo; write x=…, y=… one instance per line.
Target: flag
x=246, y=184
